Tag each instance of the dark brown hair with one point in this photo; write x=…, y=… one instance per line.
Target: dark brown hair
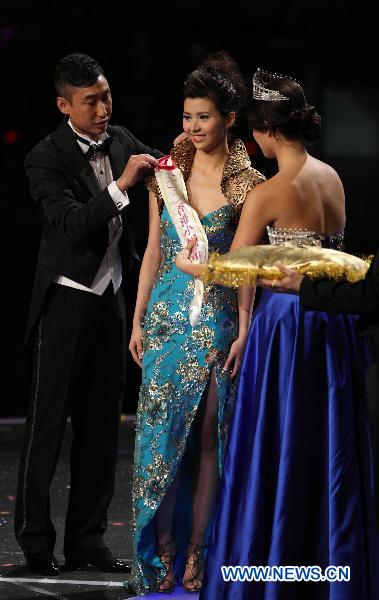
x=294, y=118
x=218, y=78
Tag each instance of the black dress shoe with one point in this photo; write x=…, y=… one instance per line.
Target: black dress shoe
x=96, y=560
x=48, y=566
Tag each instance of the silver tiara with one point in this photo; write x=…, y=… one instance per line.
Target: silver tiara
x=262, y=81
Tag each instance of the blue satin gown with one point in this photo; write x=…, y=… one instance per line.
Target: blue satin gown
x=297, y=480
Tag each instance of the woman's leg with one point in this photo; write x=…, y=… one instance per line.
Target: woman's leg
x=206, y=479
x=165, y=514
x=205, y=485
x=167, y=548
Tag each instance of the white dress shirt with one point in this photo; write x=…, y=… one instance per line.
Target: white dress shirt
x=110, y=268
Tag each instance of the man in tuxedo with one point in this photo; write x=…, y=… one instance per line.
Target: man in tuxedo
x=79, y=179
x=361, y=298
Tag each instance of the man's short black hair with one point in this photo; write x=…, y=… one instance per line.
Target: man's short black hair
x=76, y=70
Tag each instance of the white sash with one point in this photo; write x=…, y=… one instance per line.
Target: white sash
x=186, y=222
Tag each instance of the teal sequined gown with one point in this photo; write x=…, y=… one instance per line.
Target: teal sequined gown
x=177, y=363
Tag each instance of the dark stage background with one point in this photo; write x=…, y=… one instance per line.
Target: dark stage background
x=146, y=56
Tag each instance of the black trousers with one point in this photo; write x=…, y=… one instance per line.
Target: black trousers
x=79, y=368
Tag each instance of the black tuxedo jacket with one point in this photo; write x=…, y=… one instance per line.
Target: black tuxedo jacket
x=74, y=212
x=360, y=298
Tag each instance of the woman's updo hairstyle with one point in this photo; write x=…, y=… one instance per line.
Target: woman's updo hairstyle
x=294, y=118
x=218, y=78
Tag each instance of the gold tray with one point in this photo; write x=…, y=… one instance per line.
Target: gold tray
x=245, y=265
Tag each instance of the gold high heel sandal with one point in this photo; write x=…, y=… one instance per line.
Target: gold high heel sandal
x=195, y=565
x=167, y=585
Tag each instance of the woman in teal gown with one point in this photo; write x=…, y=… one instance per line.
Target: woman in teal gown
x=186, y=395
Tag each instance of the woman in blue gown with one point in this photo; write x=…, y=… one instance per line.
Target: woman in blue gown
x=296, y=485
x=186, y=396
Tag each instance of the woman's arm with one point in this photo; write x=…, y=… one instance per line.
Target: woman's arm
x=149, y=269
x=258, y=211
x=245, y=307
x=255, y=215
x=184, y=263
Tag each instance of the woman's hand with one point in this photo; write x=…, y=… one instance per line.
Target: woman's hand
x=289, y=283
x=184, y=263
x=234, y=360
x=182, y=136
x=135, y=344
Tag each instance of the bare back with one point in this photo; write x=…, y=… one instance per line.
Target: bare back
x=313, y=199
x=308, y=194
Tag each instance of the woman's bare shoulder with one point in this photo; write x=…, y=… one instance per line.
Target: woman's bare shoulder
x=328, y=181
x=268, y=198
x=324, y=169
x=272, y=189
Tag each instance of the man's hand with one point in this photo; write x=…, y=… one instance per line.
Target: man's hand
x=289, y=283
x=136, y=167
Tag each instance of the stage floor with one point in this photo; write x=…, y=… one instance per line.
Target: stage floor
x=16, y=582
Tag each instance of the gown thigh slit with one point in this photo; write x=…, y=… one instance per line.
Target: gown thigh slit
x=179, y=363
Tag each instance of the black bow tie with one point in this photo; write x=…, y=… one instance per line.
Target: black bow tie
x=94, y=148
